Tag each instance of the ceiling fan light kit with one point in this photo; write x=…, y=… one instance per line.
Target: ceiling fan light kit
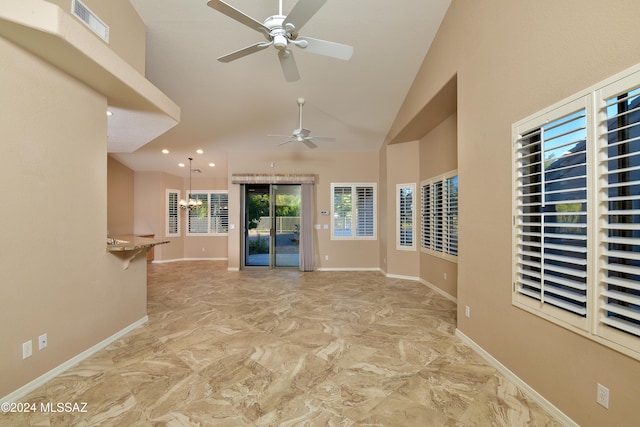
x=280, y=31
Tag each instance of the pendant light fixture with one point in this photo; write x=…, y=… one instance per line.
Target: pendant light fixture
x=192, y=203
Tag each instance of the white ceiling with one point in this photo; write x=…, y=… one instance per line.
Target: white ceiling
x=234, y=106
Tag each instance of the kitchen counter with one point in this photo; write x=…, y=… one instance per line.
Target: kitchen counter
x=128, y=247
x=132, y=243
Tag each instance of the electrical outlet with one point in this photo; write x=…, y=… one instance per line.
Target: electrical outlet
x=603, y=396
x=326, y=257
x=467, y=311
x=27, y=349
x=42, y=341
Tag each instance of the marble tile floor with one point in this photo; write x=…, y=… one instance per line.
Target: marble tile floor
x=284, y=348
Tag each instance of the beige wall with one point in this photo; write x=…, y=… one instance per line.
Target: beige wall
x=127, y=33
x=119, y=198
x=328, y=168
x=55, y=274
x=513, y=58
x=150, y=216
x=403, y=167
x=439, y=155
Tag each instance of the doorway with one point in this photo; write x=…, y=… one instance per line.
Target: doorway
x=271, y=225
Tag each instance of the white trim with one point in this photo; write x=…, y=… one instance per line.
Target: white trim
x=438, y=290
x=44, y=378
x=403, y=277
x=162, y=261
x=349, y=269
x=551, y=409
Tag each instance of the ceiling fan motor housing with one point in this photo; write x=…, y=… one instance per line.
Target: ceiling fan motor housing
x=277, y=33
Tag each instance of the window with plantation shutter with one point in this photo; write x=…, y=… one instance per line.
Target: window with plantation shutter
x=620, y=289
x=405, y=216
x=439, y=215
x=576, y=216
x=552, y=209
x=353, y=207
x=172, y=224
x=212, y=217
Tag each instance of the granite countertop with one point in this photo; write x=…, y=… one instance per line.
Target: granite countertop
x=132, y=243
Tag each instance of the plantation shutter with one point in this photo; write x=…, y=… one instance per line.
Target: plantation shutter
x=551, y=210
x=620, y=289
x=198, y=221
x=365, y=211
x=405, y=218
x=342, y=209
x=219, y=214
x=451, y=243
x=438, y=215
x=172, y=223
x=426, y=216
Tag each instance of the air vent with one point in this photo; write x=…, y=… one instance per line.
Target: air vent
x=90, y=19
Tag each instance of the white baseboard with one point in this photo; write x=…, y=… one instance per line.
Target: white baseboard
x=403, y=277
x=427, y=284
x=42, y=379
x=187, y=259
x=438, y=290
x=560, y=416
x=349, y=269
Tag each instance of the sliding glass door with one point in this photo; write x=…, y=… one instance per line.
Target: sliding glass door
x=272, y=225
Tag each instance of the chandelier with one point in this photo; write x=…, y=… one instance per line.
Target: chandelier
x=191, y=204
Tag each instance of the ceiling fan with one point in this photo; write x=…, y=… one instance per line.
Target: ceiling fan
x=303, y=135
x=280, y=31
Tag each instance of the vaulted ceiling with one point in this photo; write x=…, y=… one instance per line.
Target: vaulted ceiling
x=234, y=106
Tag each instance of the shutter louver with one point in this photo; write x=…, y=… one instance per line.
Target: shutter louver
x=620, y=288
x=364, y=211
x=551, y=209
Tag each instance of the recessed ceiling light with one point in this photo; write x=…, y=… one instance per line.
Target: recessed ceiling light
x=181, y=165
x=165, y=151
x=212, y=164
x=199, y=151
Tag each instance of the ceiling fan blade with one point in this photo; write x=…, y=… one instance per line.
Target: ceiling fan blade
x=327, y=48
x=279, y=136
x=239, y=16
x=243, y=52
x=301, y=13
x=323, y=138
x=288, y=64
x=286, y=142
x=308, y=143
